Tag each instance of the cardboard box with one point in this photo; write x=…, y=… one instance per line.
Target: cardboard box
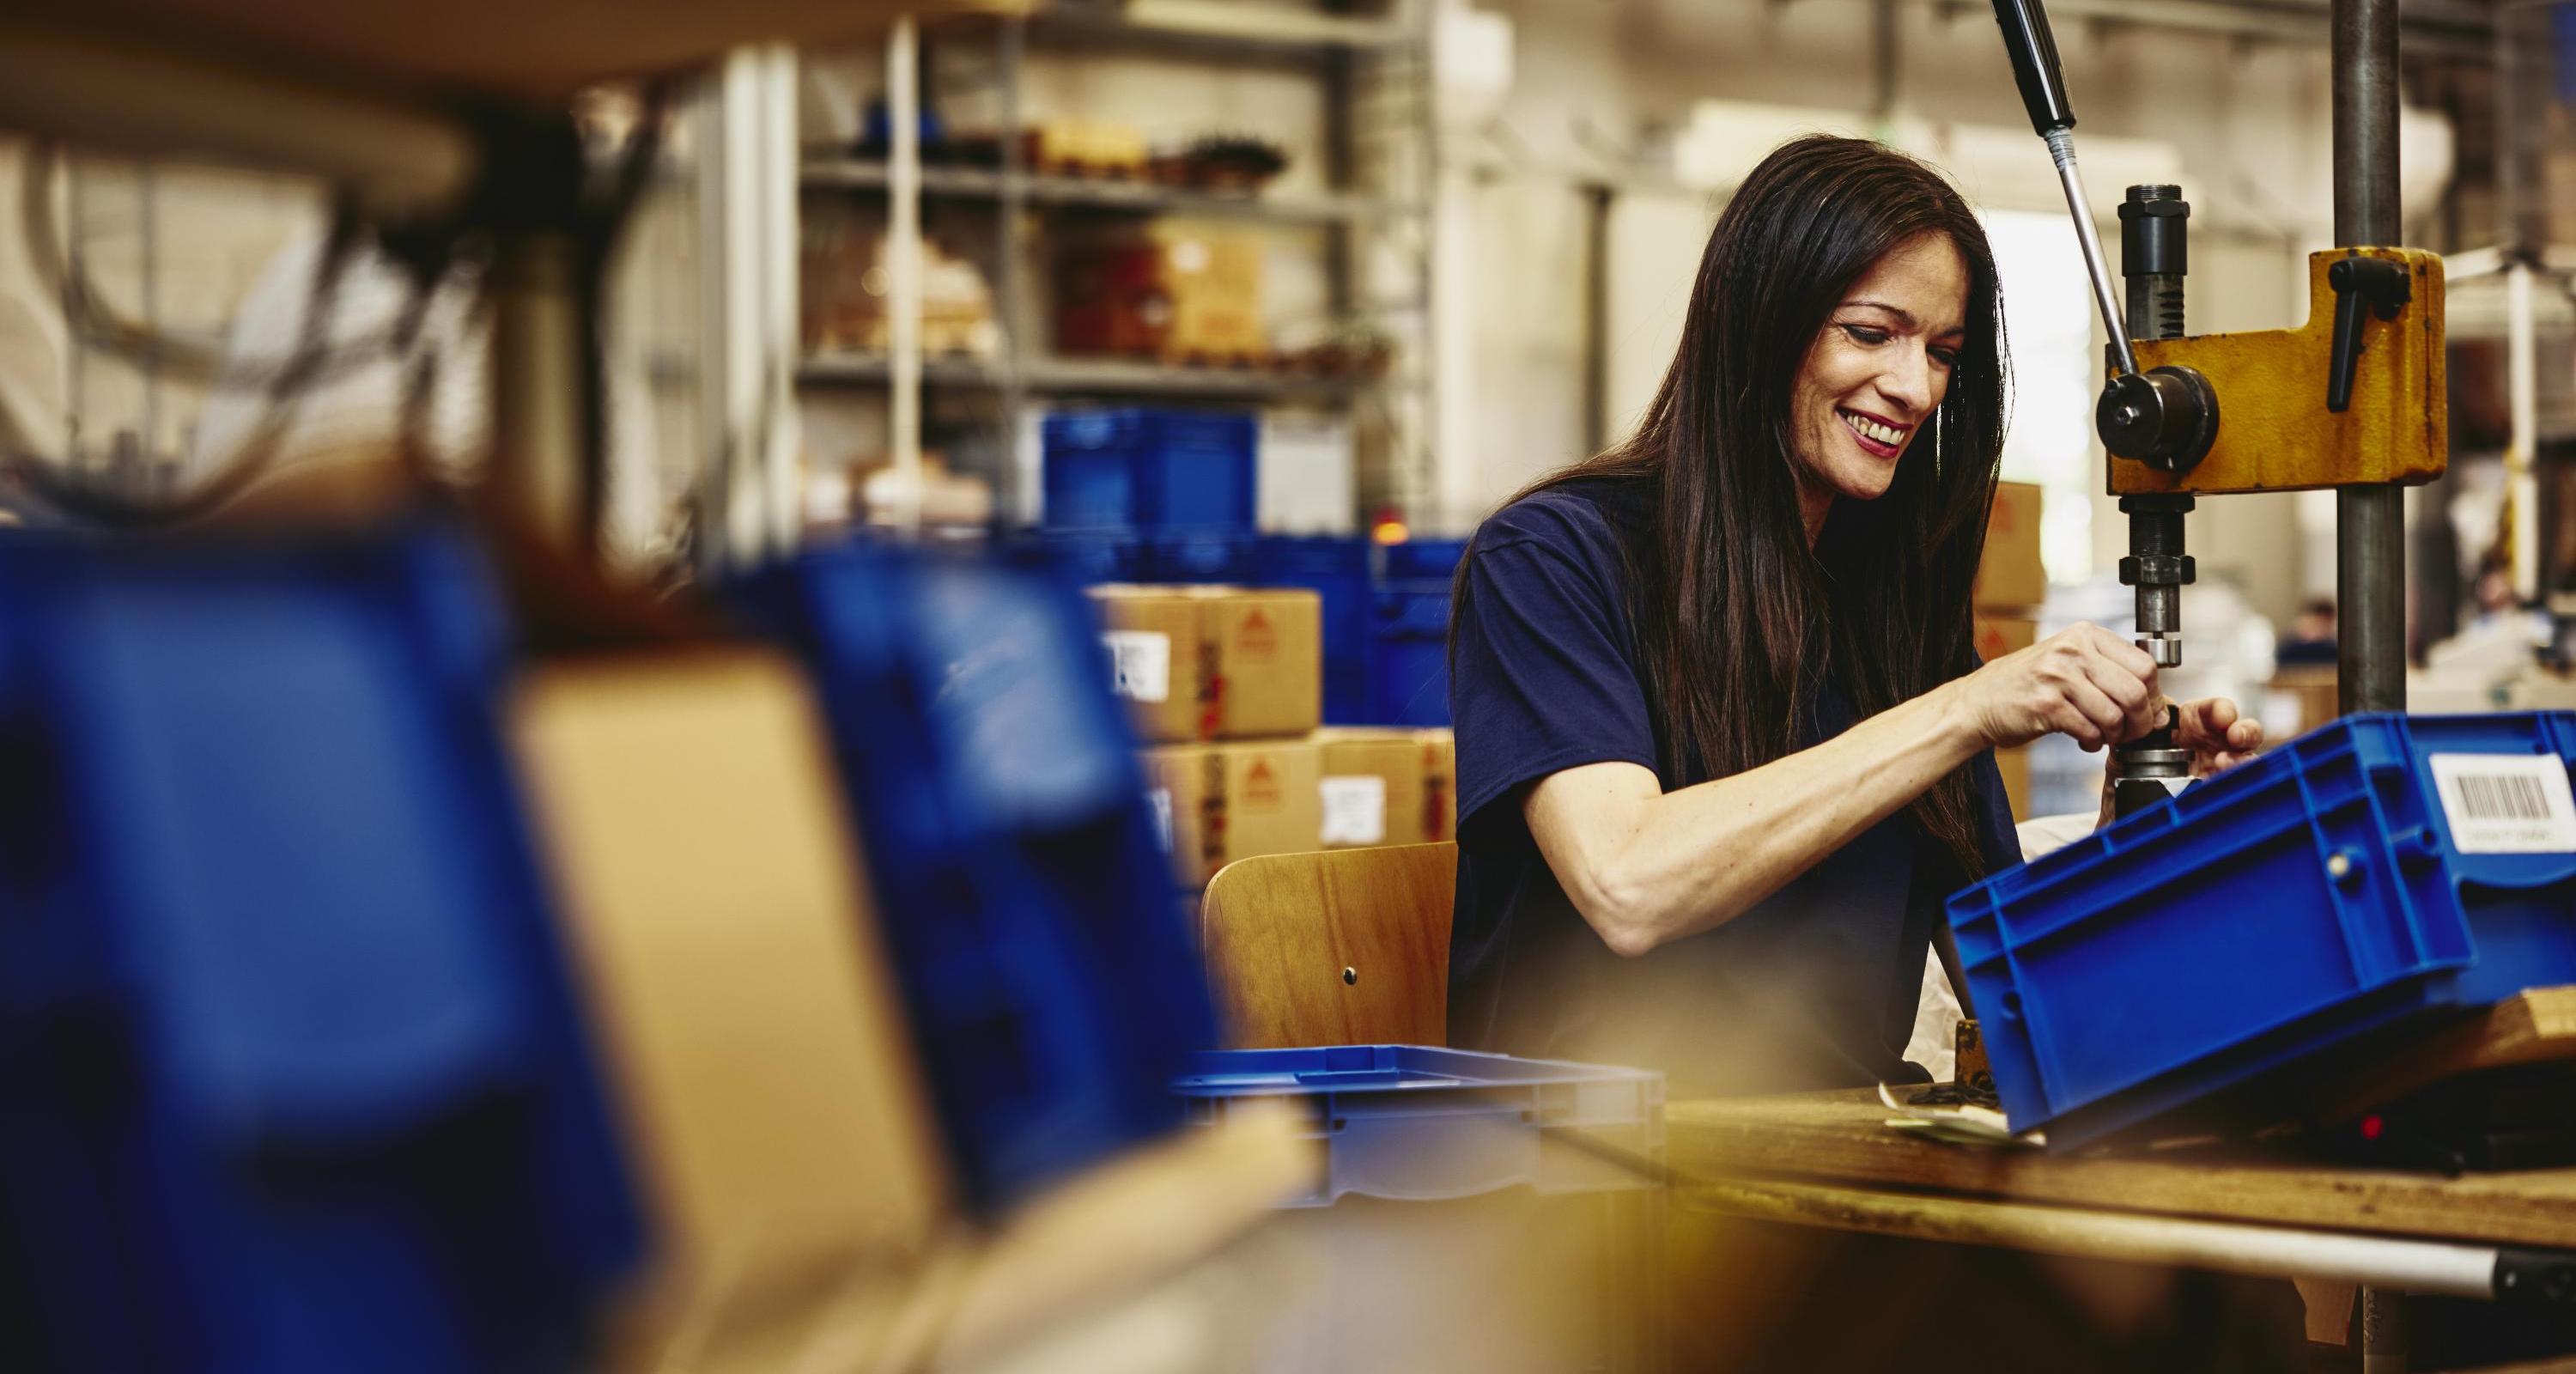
x=2015, y=766
x=1268, y=648
x=2011, y=574
x=1998, y=635
x=1386, y=786
x=1216, y=803
x=1156, y=660
x=1202, y=663
x=1174, y=290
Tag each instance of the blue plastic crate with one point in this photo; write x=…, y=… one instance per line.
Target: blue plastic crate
x=1419, y=1124
x=294, y=1075
x=1198, y=557
x=1025, y=899
x=1422, y=560
x=1338, y=570
x=1083, y=556
x=1412, y=654
x=2301, y=899
x=1150, y=470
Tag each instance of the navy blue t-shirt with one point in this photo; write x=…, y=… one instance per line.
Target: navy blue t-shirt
x=1815, y=987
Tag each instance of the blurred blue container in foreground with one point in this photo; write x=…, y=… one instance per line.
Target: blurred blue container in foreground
x=293, y=1077
x=1052, y=987
x=2381, y=867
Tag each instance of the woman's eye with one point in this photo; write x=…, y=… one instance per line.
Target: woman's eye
x=1947, y=357
x=1864, y=334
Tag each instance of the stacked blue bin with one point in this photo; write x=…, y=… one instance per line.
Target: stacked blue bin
x=1023, y=894
x=1170, y=493
x=295, y=1078
x=2381, y=868
x=1411, y=671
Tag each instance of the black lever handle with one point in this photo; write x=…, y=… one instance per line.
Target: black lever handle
x=2377, y=283
x=2034, y=64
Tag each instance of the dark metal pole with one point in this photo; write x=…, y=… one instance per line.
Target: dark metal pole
x=2370, y=521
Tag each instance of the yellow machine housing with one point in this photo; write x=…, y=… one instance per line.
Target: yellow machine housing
x=2274, y=431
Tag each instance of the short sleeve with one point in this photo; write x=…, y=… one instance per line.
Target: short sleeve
x=1543, y=679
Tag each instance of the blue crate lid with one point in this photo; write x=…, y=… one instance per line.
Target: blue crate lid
x=1417, y=1123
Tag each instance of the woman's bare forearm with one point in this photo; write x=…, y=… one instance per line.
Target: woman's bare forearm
x=1646, y=867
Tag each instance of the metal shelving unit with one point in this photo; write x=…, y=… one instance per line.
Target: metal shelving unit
x=1081, y=376
x=1376, y=73
x=1142, y=197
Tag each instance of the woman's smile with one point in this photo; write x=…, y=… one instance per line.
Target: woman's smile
x=1878, y=437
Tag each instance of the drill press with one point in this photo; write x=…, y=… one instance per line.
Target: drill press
x=2360, y=402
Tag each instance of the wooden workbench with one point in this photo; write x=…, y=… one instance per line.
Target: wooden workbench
x=1842, y=1139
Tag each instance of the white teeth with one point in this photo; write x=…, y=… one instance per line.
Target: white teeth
x=1873, y=430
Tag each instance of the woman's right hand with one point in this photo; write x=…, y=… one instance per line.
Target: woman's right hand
x=2084, y=682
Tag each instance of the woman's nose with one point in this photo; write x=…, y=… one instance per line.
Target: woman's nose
x=1909, y=380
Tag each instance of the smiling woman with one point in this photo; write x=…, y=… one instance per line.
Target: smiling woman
x=1723, y=744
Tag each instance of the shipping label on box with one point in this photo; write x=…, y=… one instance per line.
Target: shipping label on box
x=2010, y=574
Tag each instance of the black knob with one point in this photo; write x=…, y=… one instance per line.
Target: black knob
x=2166, y=417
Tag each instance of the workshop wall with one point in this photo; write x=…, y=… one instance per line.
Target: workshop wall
x=1601, y=92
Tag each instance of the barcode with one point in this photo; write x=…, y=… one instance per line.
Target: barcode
x=2511, y=797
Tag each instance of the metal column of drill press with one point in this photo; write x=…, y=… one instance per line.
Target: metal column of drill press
x=2155, y=256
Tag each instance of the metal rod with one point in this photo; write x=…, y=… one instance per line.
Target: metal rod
x=903, y=264
x=2522, y=388
x=2370, y=521
x=2061, y=148
x=2415, y=1266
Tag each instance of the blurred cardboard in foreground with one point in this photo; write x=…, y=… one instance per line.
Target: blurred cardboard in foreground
x=718, y=910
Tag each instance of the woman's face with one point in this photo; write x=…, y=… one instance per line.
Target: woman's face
x=1873, y=377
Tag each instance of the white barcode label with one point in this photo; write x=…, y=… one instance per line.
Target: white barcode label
x=2506, y=803
x=1140, y=664
x=1355, y=809
x=1160, y=799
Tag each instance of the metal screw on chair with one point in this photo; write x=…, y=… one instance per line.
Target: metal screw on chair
x=1351, y=977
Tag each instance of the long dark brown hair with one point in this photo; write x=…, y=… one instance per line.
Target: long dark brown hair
x=1737, y=620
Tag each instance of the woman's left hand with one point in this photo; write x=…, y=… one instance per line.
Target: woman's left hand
x=2217, y=734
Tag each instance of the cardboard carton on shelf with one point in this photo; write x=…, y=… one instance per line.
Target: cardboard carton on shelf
x=1170, y=289
x=1216, y=803
x=1155, y=659
x=1202, y=663
x=1386, y=786
x=2010, y=575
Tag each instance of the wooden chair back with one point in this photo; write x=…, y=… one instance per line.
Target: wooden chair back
x=1346, y=947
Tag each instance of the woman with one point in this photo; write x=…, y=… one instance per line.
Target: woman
x=1723, y=746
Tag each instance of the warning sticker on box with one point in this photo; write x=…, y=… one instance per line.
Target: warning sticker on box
x=1355, y=810
x=2506, y=803
x=1140, y=664
x=1160, y=799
